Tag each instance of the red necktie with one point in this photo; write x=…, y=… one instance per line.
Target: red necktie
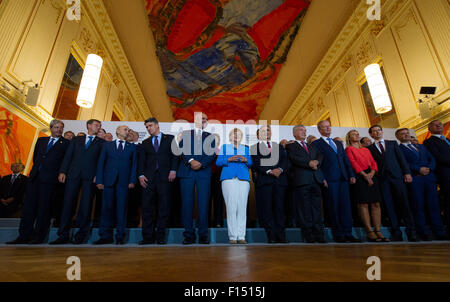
x=305, y=147
x=269, y=146
x=381, y=147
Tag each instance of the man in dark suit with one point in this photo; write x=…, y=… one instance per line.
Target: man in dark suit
x=12, y=191
x=270, y=165
x=197, y=149
x=308, y=178
x=394, y=172
x=116, y=174
x=157, y=169
x=338, y=174
x=423, y=188
x=439, y=147
x=47, y=158
x=78, y=172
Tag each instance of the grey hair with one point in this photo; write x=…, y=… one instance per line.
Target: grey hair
x=296, y=127
x=54, y=122
x=321, y=122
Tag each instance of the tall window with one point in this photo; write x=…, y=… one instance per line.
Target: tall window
x=66, y=104
x=386, y=120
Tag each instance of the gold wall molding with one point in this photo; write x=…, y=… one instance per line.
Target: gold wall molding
x=330, y=70
x=98, y=15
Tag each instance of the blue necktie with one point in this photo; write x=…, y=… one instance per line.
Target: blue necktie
x=156, y=146
x=88, y=142
x=120, y=146
x=50, y=144
x=445, y=140
x=332, y=145
x=416, y=152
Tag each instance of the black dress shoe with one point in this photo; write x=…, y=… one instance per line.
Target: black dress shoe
x=77, y=241
x=352, y=239
x=282, y=240
x=412, y=238
x=271, y=240
x=146, y=241
x=18, y=241
x=424, y=237
x=60, y=240
x=120, y=242
x=36, y=241
x=442, y=237
x=103, y=241
x=340, y=240
x=188, y=241
x=308, y=238
x=320, y=239
x=161, y=241
x=203, y=240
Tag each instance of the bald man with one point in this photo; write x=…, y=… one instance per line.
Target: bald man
x=116, y=173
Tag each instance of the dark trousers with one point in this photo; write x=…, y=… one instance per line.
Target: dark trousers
x=83, y=221
x=216, y=200
x=187, y=186
x=291, y=208
x=98, y=206
x=270, y=204
x=36, y=210
x=115, y=199
x=307, y=200
x=57, y=204
x=155, y=197
x=337, y=199
x=134, y=201
x=395, y=196
x=445, y=188
x=424, y=197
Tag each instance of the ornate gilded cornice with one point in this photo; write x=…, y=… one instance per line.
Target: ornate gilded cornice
x=335, y=58
x=99, y=17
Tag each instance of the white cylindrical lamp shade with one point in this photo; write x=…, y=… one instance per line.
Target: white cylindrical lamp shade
x=89, y=81
x=377, y=88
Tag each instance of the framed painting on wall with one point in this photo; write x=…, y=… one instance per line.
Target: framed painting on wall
x=16, y=140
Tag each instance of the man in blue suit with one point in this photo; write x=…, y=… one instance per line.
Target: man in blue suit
x=423, y=188
x=338, y=174
x=393, y=172
x=42, y=183
x=116, y=173
x=439, y=147
x=78, y=171
x=197, y=149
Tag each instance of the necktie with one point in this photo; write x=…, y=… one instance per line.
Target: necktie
x=13, y=178
x=50, y=144
x=445, y=140
x=413, y=149
x=120, y=146
x=88, y=142
x=332, y=144
x=381, y=147
x=156, y=146
x=305, y=147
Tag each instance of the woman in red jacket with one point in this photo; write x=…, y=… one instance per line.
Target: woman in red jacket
x=366, y=190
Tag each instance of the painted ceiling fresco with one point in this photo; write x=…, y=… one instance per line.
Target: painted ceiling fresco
x=222, y=57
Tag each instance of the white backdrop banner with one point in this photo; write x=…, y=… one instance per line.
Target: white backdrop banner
x=279, y=132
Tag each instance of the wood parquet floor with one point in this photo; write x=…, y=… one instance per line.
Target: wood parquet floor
x=263, y=263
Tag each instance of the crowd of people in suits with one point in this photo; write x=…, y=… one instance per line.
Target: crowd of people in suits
x=312, y=181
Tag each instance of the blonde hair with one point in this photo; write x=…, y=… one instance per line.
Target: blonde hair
x=347, y=138
x=234, y=132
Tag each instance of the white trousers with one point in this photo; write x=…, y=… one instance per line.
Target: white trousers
x=235, y=193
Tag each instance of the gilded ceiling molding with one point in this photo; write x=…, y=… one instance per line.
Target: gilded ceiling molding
x=356, y=25
x=99, y=17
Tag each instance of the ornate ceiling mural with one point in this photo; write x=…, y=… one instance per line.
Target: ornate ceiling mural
x=222, y=57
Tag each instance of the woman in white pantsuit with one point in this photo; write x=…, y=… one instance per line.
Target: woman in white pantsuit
x=235, y=161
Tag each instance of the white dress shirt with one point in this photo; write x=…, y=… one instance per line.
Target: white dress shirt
x=382, y=143
x=118, y=142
